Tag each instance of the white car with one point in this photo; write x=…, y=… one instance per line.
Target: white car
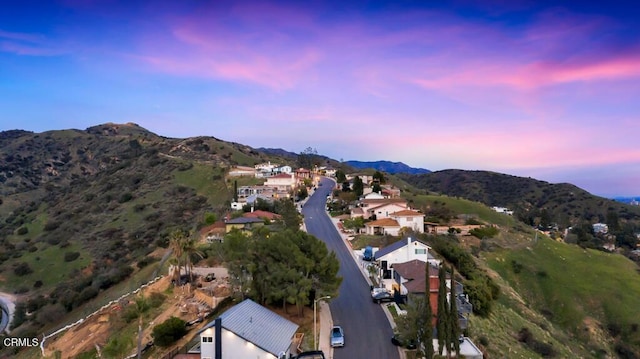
x=337, y=336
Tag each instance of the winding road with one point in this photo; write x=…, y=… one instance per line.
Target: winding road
x=366, y=328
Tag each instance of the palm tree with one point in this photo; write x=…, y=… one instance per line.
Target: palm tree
x=176, y=245
x=141, y=306
x=189, y=249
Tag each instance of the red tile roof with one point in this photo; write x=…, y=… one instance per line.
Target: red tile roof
x=262, y=214
x=384, y=222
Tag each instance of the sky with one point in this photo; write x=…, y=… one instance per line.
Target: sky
x=548, y=90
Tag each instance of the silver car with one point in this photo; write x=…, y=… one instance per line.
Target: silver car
x=337, y=336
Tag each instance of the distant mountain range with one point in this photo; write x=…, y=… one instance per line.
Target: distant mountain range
x=387, y=166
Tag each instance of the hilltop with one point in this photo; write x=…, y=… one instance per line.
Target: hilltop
x=387, y=166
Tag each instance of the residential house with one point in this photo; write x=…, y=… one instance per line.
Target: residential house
x=263, y=215
x=283, y=182
x=381, y=208
x=409, y=279
x=240, y=171
x=600, y=228
x=390, y=191
x=503, y=210
x=282, y=169
x=245, y=224
x=382, y=226
x=213, y=233
x=404, y=250
x=303, y=173
x=409, y=219
x=374, y=195
x=248, y=331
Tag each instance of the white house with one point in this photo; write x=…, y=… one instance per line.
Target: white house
x=382, y=207
x=600, y=228
x=283, y=182
x=404, y=250
x=410, y=219
x=249, y=331
x=382, y=226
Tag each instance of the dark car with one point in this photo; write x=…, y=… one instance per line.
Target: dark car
x=380, y=297
x=397, y=340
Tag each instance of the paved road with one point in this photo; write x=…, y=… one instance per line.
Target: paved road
x=366, y=328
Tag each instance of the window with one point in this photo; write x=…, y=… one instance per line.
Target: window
x=207, y=339
x=421, y=251
x=409, y=219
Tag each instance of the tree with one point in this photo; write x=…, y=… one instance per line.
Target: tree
x=235, y=191
x=454, y=323
x=379, y=177
x=169, y=331
x=358, y=186
x=376, y=188
x=141, y=306
x=190, y=249
x=308, y=158
x=340, y=176
x=176, y=245
x=425, y=333
x=442, y=323
x=287, y=210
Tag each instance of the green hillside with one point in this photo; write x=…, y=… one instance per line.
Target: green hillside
x=583, y=291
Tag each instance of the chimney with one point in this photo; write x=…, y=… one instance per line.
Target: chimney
x=218, y=326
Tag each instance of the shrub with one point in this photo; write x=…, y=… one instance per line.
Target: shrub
x=125, y=197
x=156, y=299
x=22, y=269
x=484, y=232
x=52, y=225
x=22, y=231
x=169, y=331
x=71, y=256
x=37, y=284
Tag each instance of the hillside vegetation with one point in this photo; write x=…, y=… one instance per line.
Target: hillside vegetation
x=82, y=210
x=534, y=202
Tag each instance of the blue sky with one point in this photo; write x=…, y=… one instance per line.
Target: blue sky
x=527, y=88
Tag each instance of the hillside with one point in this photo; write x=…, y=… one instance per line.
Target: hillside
x=533, y=201
x=81, y=210
x=387, y=166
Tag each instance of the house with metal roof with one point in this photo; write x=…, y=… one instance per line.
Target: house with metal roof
x=249, y=331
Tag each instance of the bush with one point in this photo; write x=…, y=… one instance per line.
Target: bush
x=156, y=299
x=125, y=197
x=484, y=232
x=50, y=226
x=169, y=331
x=71, y=256
x=22, y=231
x=22, y=269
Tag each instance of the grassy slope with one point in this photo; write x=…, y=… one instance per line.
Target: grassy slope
x=575, y=287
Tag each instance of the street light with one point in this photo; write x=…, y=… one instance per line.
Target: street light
x=315, y=336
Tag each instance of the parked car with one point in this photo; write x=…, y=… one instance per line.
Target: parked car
x=397, y=340
x=380, y=297
x=337, y=336
x=368, y=254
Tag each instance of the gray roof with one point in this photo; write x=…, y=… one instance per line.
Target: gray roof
x=258, y=325
x=394, y=246
x=244, y=220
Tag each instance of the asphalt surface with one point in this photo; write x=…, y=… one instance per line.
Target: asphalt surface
x=367, y=330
